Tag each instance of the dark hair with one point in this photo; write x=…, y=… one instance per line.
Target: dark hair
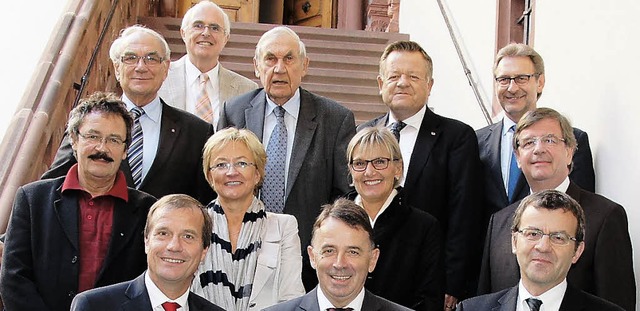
x=406, y=46
x=106, y=103
x=348, y=212
x=177, y=201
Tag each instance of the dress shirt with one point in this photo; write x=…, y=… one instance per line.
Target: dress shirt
x=150, y=123
x=212, y=87
x=506, y=150
x=562, y=187
x=158, y=298
x=355, y=304
x=551, y=299
x=408, y=136
x=292, y=109
x=358, y=200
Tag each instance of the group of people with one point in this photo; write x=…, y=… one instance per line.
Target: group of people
x=288, y=206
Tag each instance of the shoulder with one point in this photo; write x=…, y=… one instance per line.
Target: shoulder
x=574, y=297
x=323, y=103
x=178, y=65
x=448, y=123
x=106, y=296
x=141, y=198
x=372, y=122
x=197, y=303
x=488, y=130
x=287, y=305
x=42, y=185
x=184, y=118
x=244, y=100
x=373, y=302
x=282, y=219
x=483, y=302
x=237, y=78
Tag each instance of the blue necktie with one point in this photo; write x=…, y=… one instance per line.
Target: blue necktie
x=135, y=150
x=514, y=173
x=273, y=188
x=396, y=127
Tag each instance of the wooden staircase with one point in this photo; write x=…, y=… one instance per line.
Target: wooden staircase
x=343, y=64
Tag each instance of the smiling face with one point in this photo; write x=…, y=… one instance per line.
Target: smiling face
x=544, y=265
x=235, y=183
x=204, y=45
x=342, y=256
x=373, y=185
x=140, y=82
x=404, y=84
x=516, y=99
x=280, y=66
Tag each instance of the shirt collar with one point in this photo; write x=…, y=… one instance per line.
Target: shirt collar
x=324, y=303
x=551, y=299
x=392, y=195
x=292, y=106
x=152, y=110
x=506, y=125
x=193, y=73
x=157, y=297
x=118, y=190
x=415, y=120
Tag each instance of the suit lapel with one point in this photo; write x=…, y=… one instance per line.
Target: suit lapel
x=169, y=133
x=572, y=300
x=267, y=256
x=305, y=129
x=309, y=301
x=138, y=296
x=180, y=84
x=228, y=87
x=508, y=301
x=427, y=137
x=493, y=140
x=369, y=302
x=66, y=210
x=254, y=115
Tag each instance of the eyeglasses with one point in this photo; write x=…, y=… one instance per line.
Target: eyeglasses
x=557, y=238
x=378, y=164
x=225, y=166
x=546, y=141
x=149, y=59
x=519, y=79
x=109, y=141
x=214, y=28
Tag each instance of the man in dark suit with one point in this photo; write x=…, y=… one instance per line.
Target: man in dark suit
x=519, y=79
x=342, y=252
x=177, y=235
x=547, y=237
x=315, y=132
x=443, y=169
x=82, y=230
x=544, y=145
x=172, y=139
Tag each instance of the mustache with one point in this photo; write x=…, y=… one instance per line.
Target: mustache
x=101, y=156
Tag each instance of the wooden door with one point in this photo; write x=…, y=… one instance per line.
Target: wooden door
x=246, y=11
x=313, y=13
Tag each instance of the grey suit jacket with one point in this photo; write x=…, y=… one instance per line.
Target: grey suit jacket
x=505, y=300
x=129, y=296
x=309, y=302
x=174, y=88
x=605, y=268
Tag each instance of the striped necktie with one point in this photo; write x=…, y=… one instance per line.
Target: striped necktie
x=534, y=304
x=135, y=150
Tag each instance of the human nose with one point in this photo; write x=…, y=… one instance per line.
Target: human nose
x=544, y=244
x=403, y=80
x=369, y=169
x=174, y=245
x=512, y=86
x=280, y=67
x=232, y=169
x=340, y=261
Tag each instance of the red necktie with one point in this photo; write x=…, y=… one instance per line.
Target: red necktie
x=170, y=306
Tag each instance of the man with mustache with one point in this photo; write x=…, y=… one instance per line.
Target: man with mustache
x=197, y=82
x=167, y=145
x=81, y=230
x=544, y=145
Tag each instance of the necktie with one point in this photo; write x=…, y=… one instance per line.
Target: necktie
x=135, y=150
x=534, y=304
x=170, y=306
x=396, y=127
x=203, y=105
x=514, y=173
x=339, y=309
x=273, y=187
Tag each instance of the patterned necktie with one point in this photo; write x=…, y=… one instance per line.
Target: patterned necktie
x=534, y=304
x=339, y=309
x=514, y=173
x=273, y=187
x=203, y=105
x=170, y=306
x=396, y=127
x=135, y=150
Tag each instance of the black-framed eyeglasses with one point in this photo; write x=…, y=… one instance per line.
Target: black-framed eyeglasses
x=226, y=166
x=557, y=238
x=214, y=28
x=378, y=163
x=519, y=79
x=109, y=141
x=149, y=59
x=546, y=141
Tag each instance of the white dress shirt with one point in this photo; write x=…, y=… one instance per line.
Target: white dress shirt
x=506, y=150
x=158, y=298
x=358, y=200
x=355, y=304
x=408, y=136
x=551, y=299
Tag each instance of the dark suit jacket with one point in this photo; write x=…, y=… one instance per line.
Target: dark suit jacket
x=605, y=268
x=443, y=179
x=177, y=167
x=131, y=295
x=40, y=265
x=495, y=194
x=505, y=300
x=318, y=166
x=309, y=302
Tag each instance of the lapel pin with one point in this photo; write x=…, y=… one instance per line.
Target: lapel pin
x=433, y=133
x=173, y=130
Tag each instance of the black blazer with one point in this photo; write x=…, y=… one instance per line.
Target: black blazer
x=443, y=180
x=605, y=268
x=309, y=302
x=410, y=267
x=132, y=296
x=177, y=167
x=40, y=262
x=506, y=300
x=495, y=195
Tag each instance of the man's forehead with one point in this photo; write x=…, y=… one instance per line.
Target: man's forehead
x=142, y=42
x=207, y=15
x=555, y=220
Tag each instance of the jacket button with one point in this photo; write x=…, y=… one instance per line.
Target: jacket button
x=74, y=259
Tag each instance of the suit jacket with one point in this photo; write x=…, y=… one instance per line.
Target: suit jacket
x=177, y=167
x=174, y=88
x=443, y=179
x=309, y=302
x=414, y=279
x=506, y=300
x=129, y=296
x=318, y=164
x=40, y=265
x=605, y=268
x=495, y=195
